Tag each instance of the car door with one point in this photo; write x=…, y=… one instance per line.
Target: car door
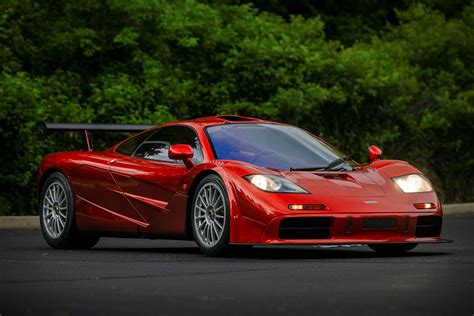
x=149, y=179
x=101, y=205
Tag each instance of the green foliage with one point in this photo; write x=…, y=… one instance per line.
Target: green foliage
x=399, y=75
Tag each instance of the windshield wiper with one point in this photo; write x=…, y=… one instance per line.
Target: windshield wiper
x=308, y=168
x=331, y=165
x=337, y=162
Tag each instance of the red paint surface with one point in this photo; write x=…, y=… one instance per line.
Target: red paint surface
x=375, y=153
x=121, y=194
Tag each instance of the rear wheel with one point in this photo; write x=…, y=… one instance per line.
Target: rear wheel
x=210, y=216
x=58, y=216
x=392, y=248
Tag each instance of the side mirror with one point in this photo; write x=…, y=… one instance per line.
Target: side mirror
x=375, y=153
x=181, y=152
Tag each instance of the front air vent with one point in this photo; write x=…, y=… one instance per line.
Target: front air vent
x=375, y=223
x=306, y=228
x=428, y=226
x=342, y=176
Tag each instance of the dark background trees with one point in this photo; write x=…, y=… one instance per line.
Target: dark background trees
x=398, y=74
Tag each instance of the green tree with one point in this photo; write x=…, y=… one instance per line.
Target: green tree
x=399, y=75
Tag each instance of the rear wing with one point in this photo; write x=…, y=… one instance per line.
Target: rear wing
x=45, y=127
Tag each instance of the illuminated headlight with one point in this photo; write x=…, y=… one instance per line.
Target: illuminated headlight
x=413, y=183
x=274, y=184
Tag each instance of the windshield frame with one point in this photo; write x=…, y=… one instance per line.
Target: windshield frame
x=350, y=161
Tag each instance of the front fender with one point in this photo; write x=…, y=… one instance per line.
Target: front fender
x=248, y=212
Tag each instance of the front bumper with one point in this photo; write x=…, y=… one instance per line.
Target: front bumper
x=359, y=228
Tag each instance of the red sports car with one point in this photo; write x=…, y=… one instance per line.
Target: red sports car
x=228, y=181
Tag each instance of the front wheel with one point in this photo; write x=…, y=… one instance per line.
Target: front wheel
x=392, y=248
x=210, y=216
x=58, y=216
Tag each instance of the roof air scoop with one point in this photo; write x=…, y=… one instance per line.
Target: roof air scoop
x=236, y=118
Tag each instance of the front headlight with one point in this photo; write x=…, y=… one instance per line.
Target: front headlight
x=413, y=183
x=274, y=184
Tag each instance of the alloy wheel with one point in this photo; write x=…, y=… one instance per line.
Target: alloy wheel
x=55, y=209
x=209, y=214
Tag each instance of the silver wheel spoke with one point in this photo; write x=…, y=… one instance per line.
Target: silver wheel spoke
x=55, y=193
x=203, y=203
x=206, y=233
x=51, y=194
x=210, y=238
x=211, y=194
x=215, y=230
x=218, y=208
x=53, y=226
x=204, y=193
x=219, y=198
x=60, y=220
x=201, y=209
x=49, y=201
x=211, y=234
x=58, y=229
x=221, y=227
x=208, y=195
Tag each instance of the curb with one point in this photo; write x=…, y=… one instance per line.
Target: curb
x=32, y=222
x=25, y=222
x=458, y=209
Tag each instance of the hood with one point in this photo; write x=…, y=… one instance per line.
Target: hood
x=363, y=182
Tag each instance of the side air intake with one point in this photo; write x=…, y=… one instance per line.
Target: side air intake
x=428, y=226
x=306, y=228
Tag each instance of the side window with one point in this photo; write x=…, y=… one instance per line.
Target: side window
x=154, y=151
x=156, y=147
x=127, y=147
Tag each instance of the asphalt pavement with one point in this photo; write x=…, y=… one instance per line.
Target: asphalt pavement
x=160, y=277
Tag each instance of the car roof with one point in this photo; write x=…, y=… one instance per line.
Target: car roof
x=219, y=119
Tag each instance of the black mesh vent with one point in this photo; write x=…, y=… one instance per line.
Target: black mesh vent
x=379, y=223
x=306, y=228
x=428, y=226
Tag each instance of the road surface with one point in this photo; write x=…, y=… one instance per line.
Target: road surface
x=157, y=277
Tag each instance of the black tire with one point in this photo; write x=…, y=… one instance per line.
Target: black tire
x=69, y=237
x=392, y=248
x=222, y=245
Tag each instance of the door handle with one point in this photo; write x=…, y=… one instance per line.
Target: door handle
x=112, y=161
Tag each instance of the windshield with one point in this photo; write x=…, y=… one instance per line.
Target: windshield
x=270, y=145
